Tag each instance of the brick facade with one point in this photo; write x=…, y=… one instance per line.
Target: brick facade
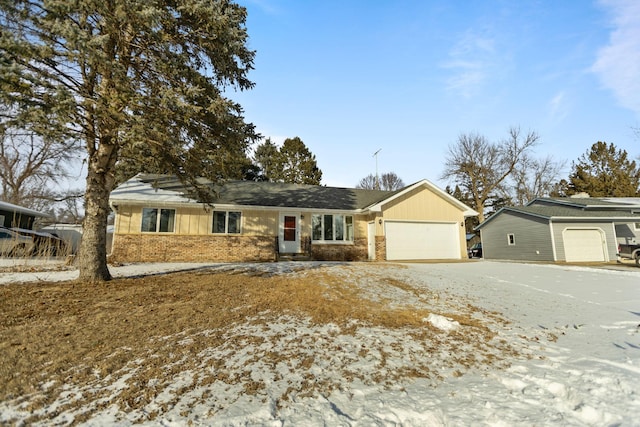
x=191, y=248
x=342, y=252
x=381, y=248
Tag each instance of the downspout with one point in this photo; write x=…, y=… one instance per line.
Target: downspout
x=116, y=226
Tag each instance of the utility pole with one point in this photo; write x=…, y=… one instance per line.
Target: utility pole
x=377, y=185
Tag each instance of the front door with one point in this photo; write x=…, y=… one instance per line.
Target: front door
x=289, y=235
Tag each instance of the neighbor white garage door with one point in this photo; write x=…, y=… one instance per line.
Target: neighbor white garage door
x=584, y=245
x=422, y=240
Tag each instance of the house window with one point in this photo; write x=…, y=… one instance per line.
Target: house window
x=158, y=220
x=329, y=227
x=226, y=222
x=511, y=239
x=636, y=225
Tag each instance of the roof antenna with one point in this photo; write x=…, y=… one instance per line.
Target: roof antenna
x=377, y=183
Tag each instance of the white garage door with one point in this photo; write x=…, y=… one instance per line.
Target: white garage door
x=584, y=244
x=422, y=240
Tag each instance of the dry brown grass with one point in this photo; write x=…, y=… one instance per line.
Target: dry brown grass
x=57, y=335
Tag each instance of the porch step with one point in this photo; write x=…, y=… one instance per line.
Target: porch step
x=294, y=257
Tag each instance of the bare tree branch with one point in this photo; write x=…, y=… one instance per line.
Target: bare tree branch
x=30, y=165
x=480, y=168
x=388, y=182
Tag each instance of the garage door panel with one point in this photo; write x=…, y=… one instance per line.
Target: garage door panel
x=583, y=245
x=420, y=240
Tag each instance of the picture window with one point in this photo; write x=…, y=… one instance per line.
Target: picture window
x=226, y=222
x=156, y=220
x=332, y=228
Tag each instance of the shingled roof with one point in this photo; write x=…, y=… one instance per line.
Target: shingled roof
x=165, y=189
x=567, y=212
x=590, y=202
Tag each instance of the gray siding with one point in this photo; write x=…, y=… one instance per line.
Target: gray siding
x=532, y=238
x=608, y=229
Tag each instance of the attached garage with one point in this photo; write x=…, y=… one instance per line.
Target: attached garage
x=414, y=240
x=584, y=245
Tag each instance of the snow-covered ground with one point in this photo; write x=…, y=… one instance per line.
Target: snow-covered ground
x=576, y=329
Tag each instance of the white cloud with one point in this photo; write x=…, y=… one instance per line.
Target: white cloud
x=558, y=106
x=267, y=6
x=470, y=61
x=618, y=63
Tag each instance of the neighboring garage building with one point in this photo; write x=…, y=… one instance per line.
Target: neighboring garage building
x=17, y=216
x=571, y=230
x=160, y=219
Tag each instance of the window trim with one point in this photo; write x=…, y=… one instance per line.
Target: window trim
x=159, y=220
x=334, y=228
x=226, y=222
x=511, y=239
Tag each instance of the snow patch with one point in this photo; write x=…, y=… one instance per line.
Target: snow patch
x=441, y=322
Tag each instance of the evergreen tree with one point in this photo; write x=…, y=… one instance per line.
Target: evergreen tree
x=267, y=158
x=139, y=78
x=604, y=171
x=298, y=165
x=292, y=163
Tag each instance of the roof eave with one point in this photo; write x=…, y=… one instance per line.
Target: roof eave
x=601, y=218
x=227, y=206
x=509, y=209
x=23, y=211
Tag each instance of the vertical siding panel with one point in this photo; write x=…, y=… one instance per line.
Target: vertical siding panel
x=422, y=204
x=260, y=223
x=360, y=229
x=124, y=217
x=136, y=220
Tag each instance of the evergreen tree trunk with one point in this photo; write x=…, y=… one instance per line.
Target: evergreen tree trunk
x=93, y=248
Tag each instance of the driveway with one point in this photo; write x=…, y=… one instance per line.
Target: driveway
x=591, y=318
x=567, y=294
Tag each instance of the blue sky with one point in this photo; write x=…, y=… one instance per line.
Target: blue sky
x=408, y=77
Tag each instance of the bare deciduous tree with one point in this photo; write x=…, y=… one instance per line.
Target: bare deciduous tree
x=480, y=168
x=30, y=165
x=387, y=181
x=534, y=178
x=390, y=181
x=369, y=182
x=69, y=207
